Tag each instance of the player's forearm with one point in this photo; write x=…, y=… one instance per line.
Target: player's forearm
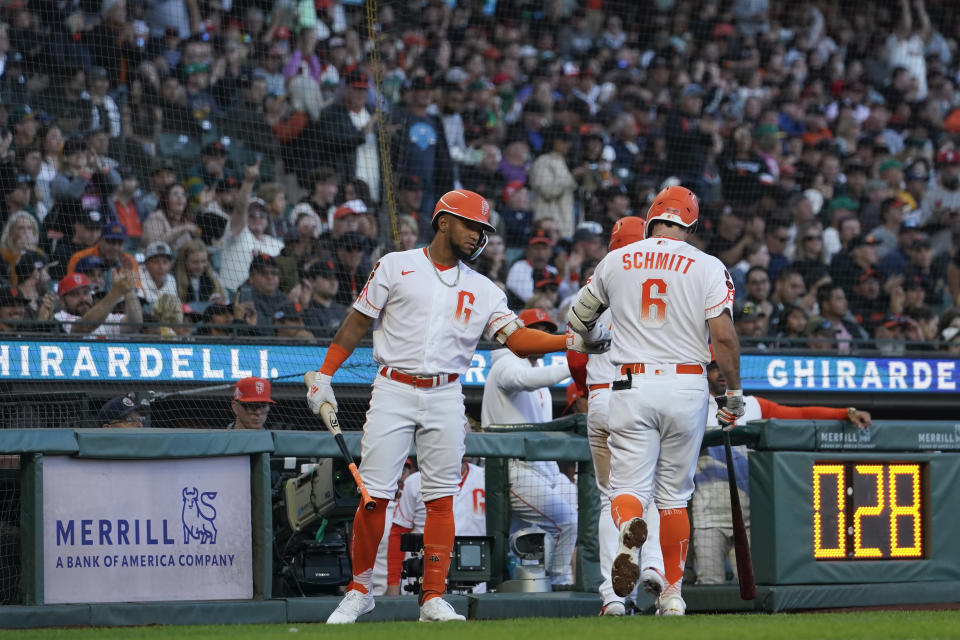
x=352, y=330
x=523, y=378
x=526, y=342
x=726, y=348
x=93, y=318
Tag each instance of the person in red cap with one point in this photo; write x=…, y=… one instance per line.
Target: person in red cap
x=517, y=391
x=941, y=204
x=520, y=282
x=251, y=403
x=78, y=314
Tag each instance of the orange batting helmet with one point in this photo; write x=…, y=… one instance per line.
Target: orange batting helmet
x=468, y=206
x=537, y=316
x=674, y=204
x=627, y=230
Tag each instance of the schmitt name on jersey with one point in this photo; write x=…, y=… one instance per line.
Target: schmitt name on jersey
x=859, y=374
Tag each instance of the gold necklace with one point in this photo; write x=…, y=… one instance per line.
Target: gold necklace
x=437, y=271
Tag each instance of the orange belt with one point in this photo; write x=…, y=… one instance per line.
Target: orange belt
x=594, y=387
x=639, y=367
x=418, y=381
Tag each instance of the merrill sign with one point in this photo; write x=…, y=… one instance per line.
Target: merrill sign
x=132, y=531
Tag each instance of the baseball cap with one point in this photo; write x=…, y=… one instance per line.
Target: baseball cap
x=540, y=237
x=863, y=240
x=98, y=72
x=765, y=130
x=409, y=182
x=214, y=148
x=749, y=311
x=261, y=261
x=120, y=407
x=868, y=274
x=226, y=183
x=30, y=261
x=949, y=334
x=11, y=297
x=352, y=241
x=843, y=202
x=20, y=113
x=510, y=189
x=921, y=243
x=252, y=389
x=321, y=269
x=587, y=231
x=818, y=326
x=114, y=231
x=358, y=79
x=89, y=263
x=915, y=282
x=350, y=208
x=692, y=90
x=530, y=317
x=162, y=163
x=889, y=163
x=421, y=83
x=71, y=282
x=155, y=249
x=895, y=320
x=288, y=311
x=948, y=156
x=543, y=278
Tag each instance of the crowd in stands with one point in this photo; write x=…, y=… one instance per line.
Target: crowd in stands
x=214, y=167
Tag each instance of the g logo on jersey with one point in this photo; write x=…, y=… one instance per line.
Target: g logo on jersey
x=464, y=300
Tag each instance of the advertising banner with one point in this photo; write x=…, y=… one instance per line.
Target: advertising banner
x=146, y=530
x=218, y=363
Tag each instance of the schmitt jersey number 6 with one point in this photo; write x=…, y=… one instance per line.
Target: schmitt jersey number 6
x=653, y=303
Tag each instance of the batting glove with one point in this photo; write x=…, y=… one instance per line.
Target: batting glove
x=321, y=391
x=731, y=407
x=597, y=341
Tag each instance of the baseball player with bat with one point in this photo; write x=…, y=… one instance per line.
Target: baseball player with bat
x=713, y=538
x=666, y=297
x=428, y=311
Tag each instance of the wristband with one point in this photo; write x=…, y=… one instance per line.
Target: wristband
x=734, y=393
x=336, y=355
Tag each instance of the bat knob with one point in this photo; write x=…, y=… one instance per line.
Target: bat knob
x=370, y=506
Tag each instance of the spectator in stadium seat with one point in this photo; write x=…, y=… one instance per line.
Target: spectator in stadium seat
x=322, y=188
x=246, y=235
x=777, y=235
x=891, y=219
x=108, y=248
x=756, y=289
x=196, y=280
x=273, y=196
x=251, y=403
x=13, y=308
x=859, y=257
x=123, y=412
x=932, y=272
x=808, y=258
x=868, y=303
x=520, y=277
x=78, y=314
x=93, y=268
x=689, y=137
x=545, y=292
x=834, y=308
x=263, y=288
x=155, y=276
x=419, y=144
x=552, y=182
x=288, y=323
x=352, y=266
x=323, y=315
x=493, y=261
x=485, y=177
x=212, y=168
x=83, y=174
x=33, y=276
x=20, y=233
x=515, y=214
x=409, y=232
x=347, y=127
x=755, y=255
x=171, y=222
x=790, y=328
x=122, y=206
x=751, y=322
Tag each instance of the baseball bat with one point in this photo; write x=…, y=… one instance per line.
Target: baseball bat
x=748, y=588
x=329, y=417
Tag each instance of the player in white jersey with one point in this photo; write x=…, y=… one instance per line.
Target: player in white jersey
x=599, y=374
x=517, y=391
x=710, y=505
x=428, y=310
x=664, y=295
x=469, y=516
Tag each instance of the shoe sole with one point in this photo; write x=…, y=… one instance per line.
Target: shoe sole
x=329, y=621
x=625, y=572
x=651, y=583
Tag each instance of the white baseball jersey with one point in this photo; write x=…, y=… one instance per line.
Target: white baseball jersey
x=469, y=504
x=518, y=392
x=710, y=506
x=424, y=326
x=660, y=288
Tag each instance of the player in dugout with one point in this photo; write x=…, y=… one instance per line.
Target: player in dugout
x=710, y=506
x=517, y=391
x=429, y=311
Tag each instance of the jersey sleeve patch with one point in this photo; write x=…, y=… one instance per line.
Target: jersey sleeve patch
x=374, y=294
x=720, y=294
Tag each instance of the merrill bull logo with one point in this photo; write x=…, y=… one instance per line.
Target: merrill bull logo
x=198, y=515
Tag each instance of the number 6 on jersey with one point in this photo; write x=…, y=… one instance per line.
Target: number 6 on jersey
x=653, y=303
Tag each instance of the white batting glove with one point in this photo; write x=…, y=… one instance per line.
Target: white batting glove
x=321, y=391
x=731, y=407
x=597, y=341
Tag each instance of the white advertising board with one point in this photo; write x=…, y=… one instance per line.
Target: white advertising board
x=146, y=530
